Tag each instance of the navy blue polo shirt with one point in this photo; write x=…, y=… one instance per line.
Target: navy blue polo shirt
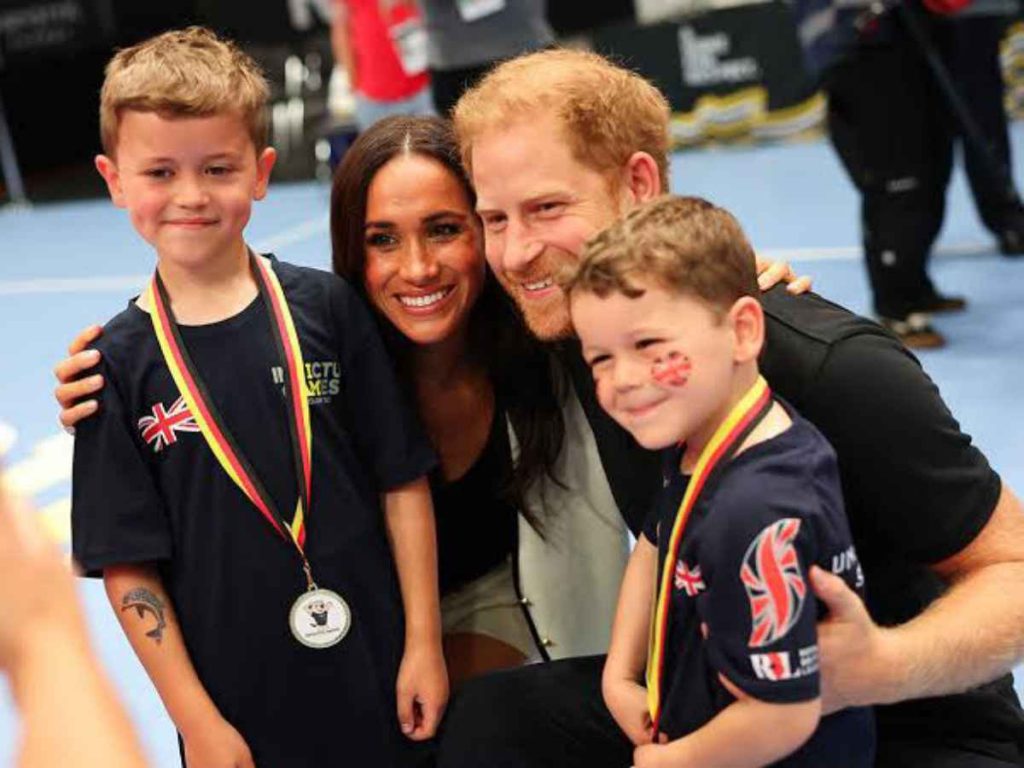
x=755, y=530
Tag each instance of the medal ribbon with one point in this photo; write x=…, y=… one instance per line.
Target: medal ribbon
x=731, y=433
x=211, y=424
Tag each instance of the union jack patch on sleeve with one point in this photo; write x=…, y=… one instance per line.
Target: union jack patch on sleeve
x=774, y=582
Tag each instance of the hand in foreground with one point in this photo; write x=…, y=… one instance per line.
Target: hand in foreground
x=37, y=594
x=422, y=691
x=73, y=386
x=854, y=652
x=771, y=273
x=627, y=701
x=216, y=744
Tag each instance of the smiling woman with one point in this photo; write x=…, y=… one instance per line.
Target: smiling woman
x=423, y=267
x=405, y=232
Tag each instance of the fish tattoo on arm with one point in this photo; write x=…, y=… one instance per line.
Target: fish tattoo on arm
x=144, y=601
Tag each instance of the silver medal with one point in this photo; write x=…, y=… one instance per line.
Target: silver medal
x=320, y=618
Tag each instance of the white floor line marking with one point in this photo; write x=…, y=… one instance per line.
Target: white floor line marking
x=135, y=283
x=856, y=253
x=298, y=233
x=73, y=285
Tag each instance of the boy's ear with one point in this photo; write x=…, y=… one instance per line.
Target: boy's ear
x=108, y=170
x=642, y=182
x=264, y=165
x=747, y=320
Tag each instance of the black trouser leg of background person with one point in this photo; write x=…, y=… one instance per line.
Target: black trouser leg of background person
x=548, y=715
x=976, y=69
x=893, y=133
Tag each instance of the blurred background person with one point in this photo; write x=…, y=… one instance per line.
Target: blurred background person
x=381, y=47
x=69, y=713
x=466, y=37
x=894, y=130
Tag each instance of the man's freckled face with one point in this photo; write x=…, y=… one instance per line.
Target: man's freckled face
x=539, y=205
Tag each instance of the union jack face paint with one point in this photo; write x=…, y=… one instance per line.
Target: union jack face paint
x=672, y=370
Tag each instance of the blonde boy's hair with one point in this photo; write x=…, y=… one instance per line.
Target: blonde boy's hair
x=607, y=112
x=684, y=245
x=184, y=73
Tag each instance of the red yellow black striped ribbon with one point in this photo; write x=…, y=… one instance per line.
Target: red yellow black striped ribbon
x=224, y=446
x=740, y=421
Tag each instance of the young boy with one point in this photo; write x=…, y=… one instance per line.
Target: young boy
x=715, y=601
x=230, y=492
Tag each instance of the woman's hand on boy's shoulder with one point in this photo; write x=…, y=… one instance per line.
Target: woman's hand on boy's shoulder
x=73, y=386
x=422, y=690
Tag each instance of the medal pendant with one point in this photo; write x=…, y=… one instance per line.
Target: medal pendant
x=320, y=618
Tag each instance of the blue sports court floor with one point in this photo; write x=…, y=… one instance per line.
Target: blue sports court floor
x=65, y=266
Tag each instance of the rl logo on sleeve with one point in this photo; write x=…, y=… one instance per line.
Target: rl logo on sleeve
x=774, y=583
x=778, y=666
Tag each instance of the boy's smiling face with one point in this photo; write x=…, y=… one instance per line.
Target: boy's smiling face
x=663, y=363
x=188, y=183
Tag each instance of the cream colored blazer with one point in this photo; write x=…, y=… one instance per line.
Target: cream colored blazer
x=569, y=580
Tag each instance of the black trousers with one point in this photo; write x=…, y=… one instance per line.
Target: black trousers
x=895, y=135
x=553, y=716
x=548, y=715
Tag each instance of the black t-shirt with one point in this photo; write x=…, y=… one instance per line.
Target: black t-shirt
x=476, y=523
x=147, y=488
x=754, y=532
x=916, y=489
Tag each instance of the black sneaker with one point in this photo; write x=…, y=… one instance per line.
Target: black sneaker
x=915, y=331
x=937, y=303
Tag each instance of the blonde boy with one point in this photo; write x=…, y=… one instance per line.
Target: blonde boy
x=666, y=307
x=229, y=493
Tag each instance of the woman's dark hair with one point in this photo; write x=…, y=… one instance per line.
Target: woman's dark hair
x=525, y=376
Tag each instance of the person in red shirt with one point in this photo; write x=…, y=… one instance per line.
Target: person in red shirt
x=381, y=46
